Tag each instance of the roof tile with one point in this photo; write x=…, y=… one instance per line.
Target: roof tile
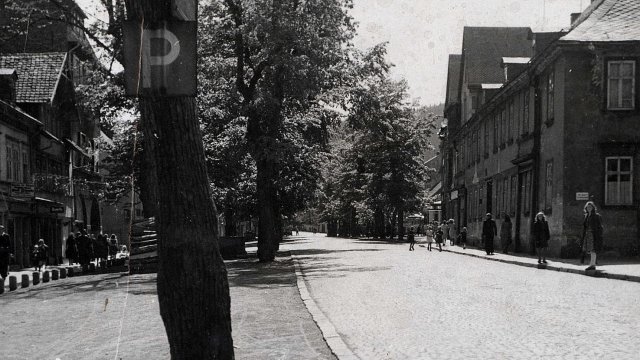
x=607, y=21
x=37, y=74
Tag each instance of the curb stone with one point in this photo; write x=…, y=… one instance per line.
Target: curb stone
x=599, y=274
x=338, y=347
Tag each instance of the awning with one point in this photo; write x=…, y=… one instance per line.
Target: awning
x=47, y=201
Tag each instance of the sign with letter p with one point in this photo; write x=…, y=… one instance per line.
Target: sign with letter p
x=160, y=60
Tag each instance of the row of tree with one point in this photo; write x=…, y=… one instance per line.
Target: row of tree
x=291, y=116
x=376, y=170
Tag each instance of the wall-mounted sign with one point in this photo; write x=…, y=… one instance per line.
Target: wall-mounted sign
x=22, y=191
x=160, y=59
x=582, y=196
x=454, y=194
x=56, y=209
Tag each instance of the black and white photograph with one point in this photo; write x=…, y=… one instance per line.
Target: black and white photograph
x=319, y=179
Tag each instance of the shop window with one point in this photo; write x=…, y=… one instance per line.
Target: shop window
x=619, y=180
x=621, y=85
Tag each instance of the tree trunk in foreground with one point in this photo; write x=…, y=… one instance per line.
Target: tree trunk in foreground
x=193, y=289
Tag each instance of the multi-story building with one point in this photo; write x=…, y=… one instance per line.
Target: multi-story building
x=50, y=189
x=552, y=127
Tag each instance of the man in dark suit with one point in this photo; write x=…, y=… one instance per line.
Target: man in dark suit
x=6, y=252
x=489, y=231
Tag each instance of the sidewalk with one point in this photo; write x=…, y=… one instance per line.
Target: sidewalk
x=624, y=269
x=100, y=315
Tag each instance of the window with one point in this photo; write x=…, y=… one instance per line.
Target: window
x=514, y=195
x=517, y=115
x=505, y=195
x=548, y=186
x=478, y=139
x=619, y=180
x=456, y=164
x=525, y=113
x=621, y=85
x=25, y=167
x=496, y=139
x=9, y=163
x=474, y=103
x=526, y=192
x=504, y=124
x=498, y=197
x=550, y=96
x=16, y=165
x=511, y=126
x=486, y=136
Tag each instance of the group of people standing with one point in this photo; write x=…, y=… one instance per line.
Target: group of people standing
x=591, y=241
x=83, y=248
x=440, y=234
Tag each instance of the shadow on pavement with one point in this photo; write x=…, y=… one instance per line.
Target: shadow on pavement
x=303, y=252
x=87, y=283
x=251, y=273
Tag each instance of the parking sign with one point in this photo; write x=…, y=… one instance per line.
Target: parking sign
x=160, y=60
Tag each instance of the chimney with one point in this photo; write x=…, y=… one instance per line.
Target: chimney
x=574, y=17
x=8, y=80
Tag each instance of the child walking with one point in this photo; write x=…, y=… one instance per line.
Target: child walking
x=429, y=234
x=439, y=234
x=462, y=238
x=412, y=238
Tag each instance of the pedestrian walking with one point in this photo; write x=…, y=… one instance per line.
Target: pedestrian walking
x=101, y=248
x=85, y=249
x=452, y=232
x=439, y=236
x=6, y=252
x=113, y=248
x=592, y=232
x=445, y=232
x=489, y=231
x=72, y=249
x=505, y=233
x=462, y=238
x=41, y=255
x=541, y=237
x=429, y=234
x=411, y=236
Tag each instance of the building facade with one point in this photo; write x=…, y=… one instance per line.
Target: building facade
x=49, y=177
x=558, y=128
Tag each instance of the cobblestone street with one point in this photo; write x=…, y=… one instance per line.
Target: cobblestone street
x=389, y=303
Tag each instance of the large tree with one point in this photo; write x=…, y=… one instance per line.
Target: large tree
x=286, y=54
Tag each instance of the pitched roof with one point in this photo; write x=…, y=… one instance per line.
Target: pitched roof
x=607, y=20
x=38, y=75
x=484, y=47
x=453, y=79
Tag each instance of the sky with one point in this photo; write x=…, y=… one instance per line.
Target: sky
x=422, y=33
